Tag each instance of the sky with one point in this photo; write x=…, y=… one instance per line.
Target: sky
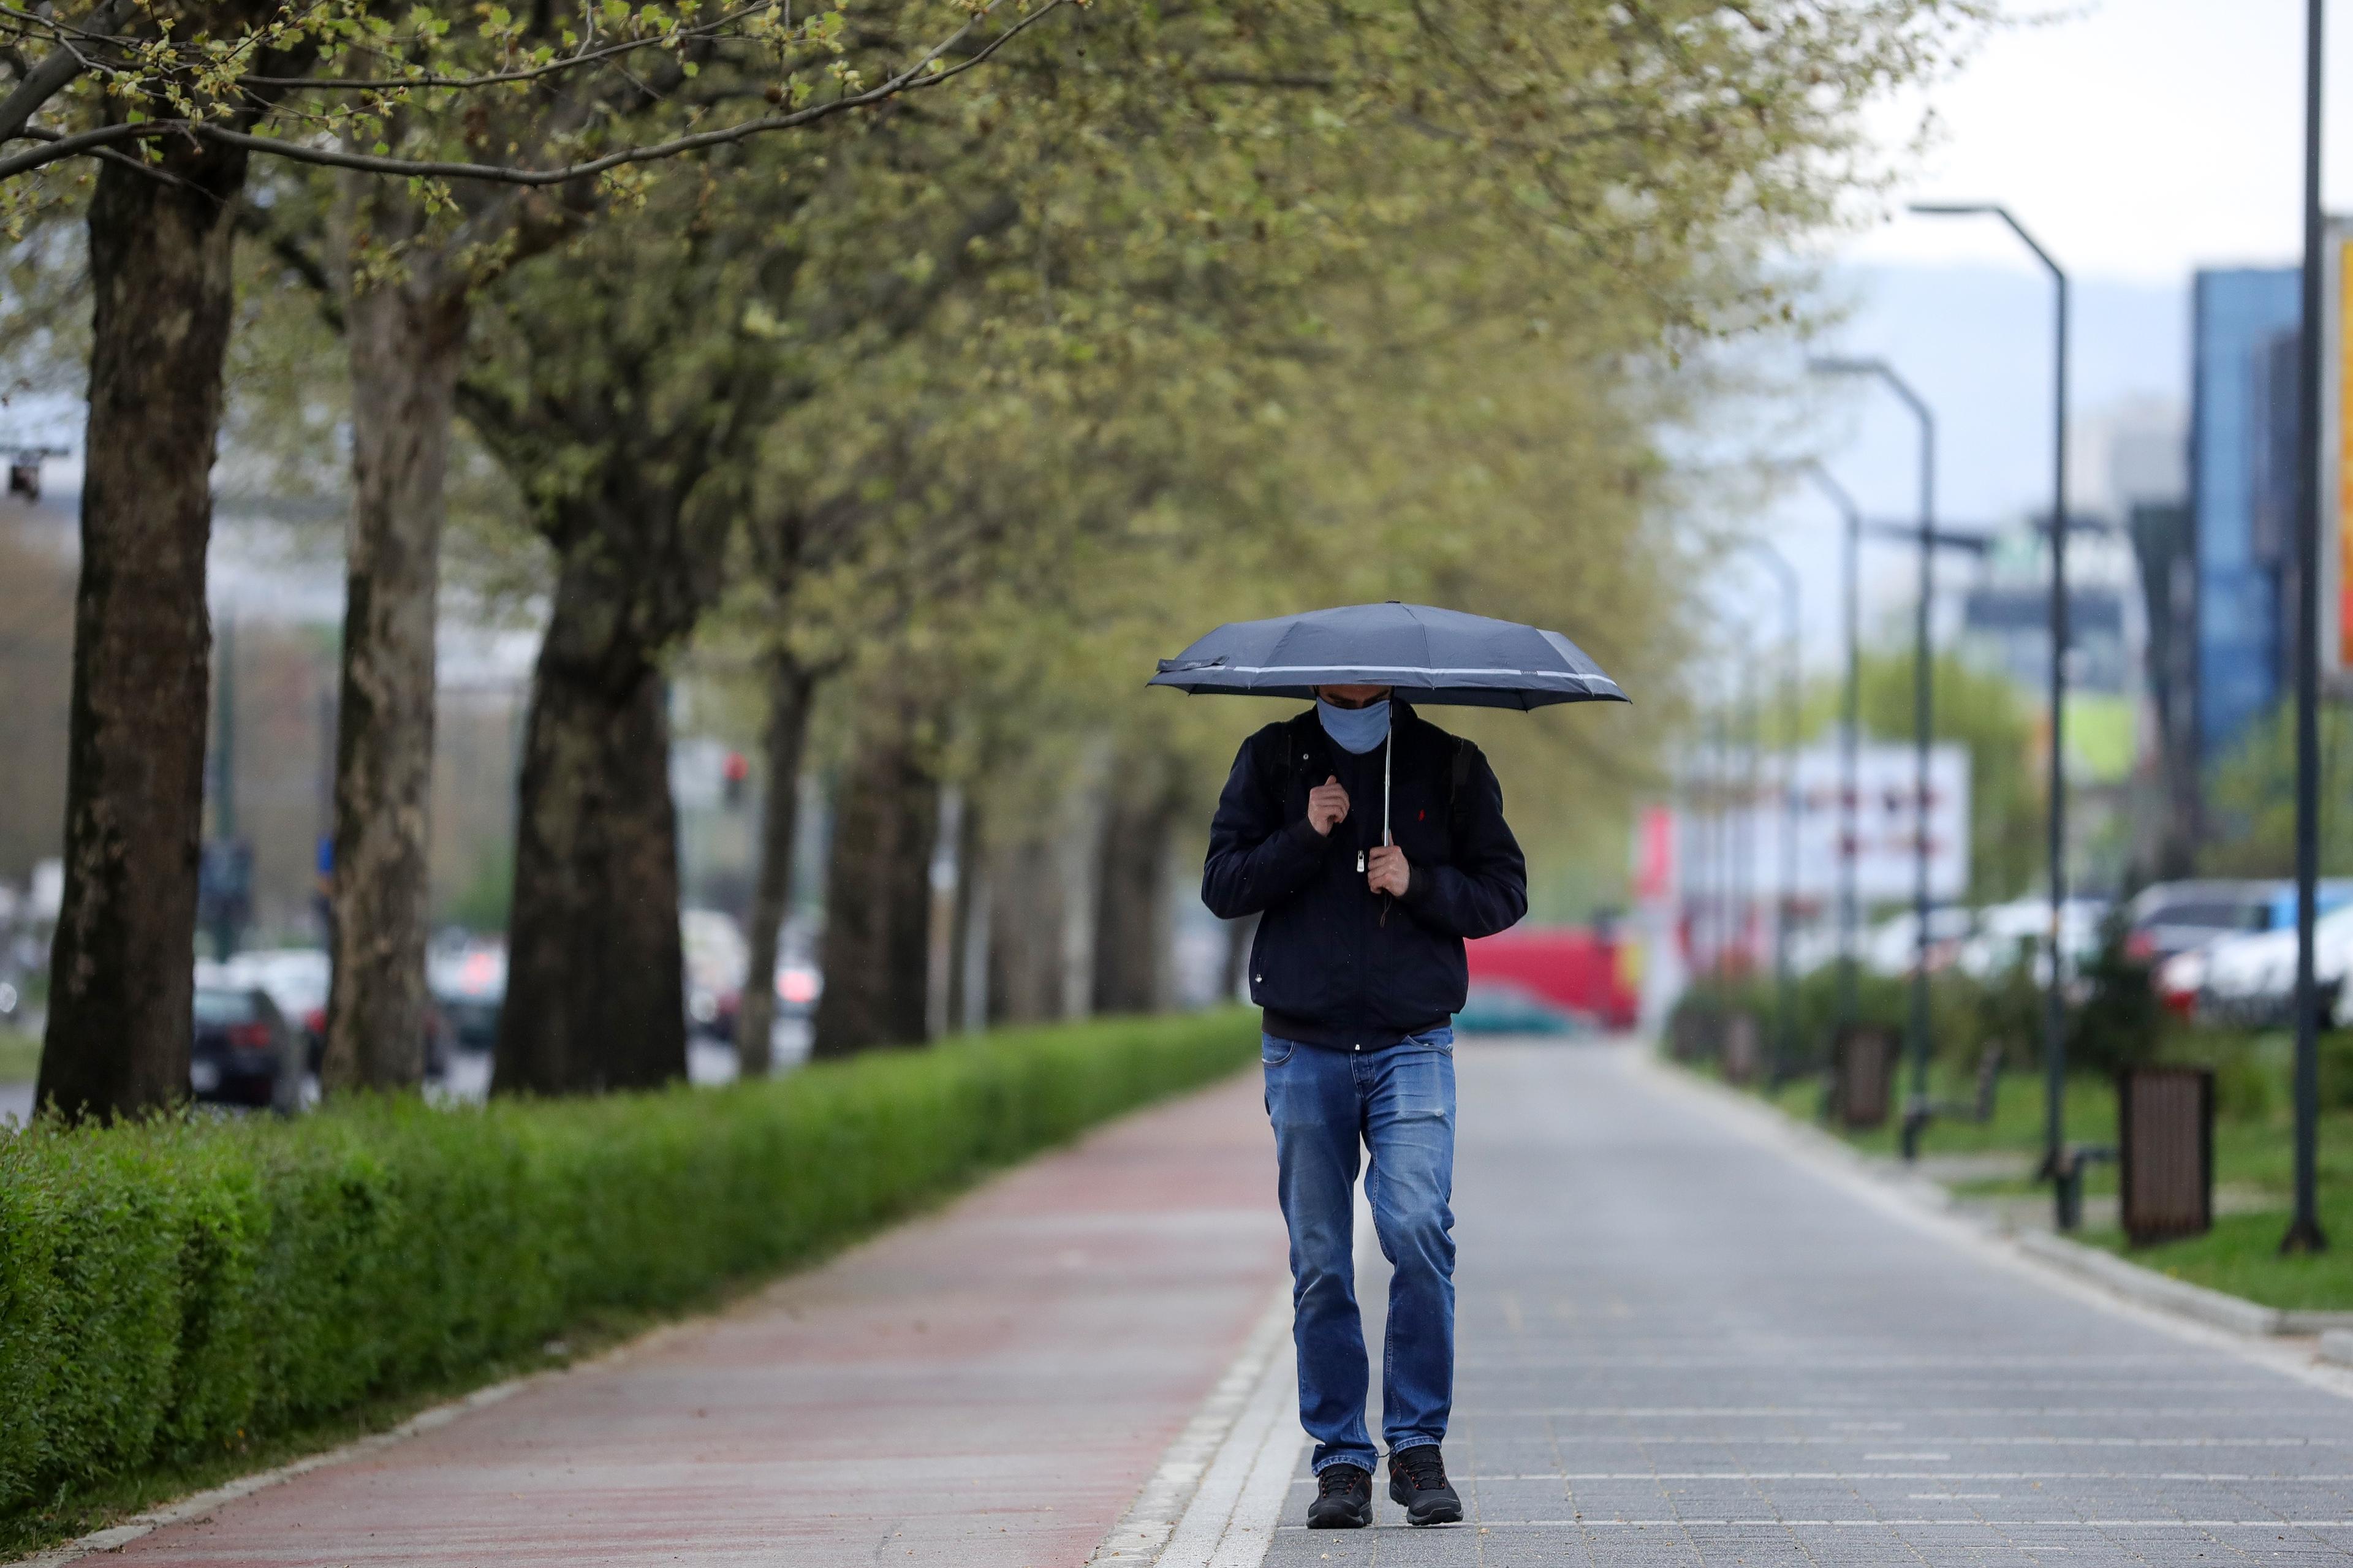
x=2139, y=141
x=2137, y=138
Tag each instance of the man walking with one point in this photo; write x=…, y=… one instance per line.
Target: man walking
x=1359, y=966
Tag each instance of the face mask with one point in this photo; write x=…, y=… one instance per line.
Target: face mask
x=1357, y=730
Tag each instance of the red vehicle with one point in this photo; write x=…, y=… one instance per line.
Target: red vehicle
x=1583, y=972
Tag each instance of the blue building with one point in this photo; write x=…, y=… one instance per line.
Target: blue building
x=2243, y=493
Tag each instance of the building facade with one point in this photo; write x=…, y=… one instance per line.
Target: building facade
x=2243, y=494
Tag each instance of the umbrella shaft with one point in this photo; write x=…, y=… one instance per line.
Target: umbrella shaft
x=1387, y=744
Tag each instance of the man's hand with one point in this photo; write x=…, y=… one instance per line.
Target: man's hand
x=1388, y=873
x=1327, y=805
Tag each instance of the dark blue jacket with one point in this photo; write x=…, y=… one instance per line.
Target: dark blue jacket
x=1335, y=964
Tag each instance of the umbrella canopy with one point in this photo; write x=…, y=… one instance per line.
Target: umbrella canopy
x=1428, y=654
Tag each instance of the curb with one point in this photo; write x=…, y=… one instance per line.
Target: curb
x=1170, y=1498
x=2120, y=1277
x=2151, y=1289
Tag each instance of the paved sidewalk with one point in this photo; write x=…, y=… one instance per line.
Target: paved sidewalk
x=991, y=1385
x=1681, y=1345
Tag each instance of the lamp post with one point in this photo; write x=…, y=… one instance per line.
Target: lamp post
x=1733, y=739
x=2304, y=1232
x=2054, y=1005
x=1719, y=857
x=1743, y=819
x=1792, y=631
x=1923, y=714
x=1850, y=738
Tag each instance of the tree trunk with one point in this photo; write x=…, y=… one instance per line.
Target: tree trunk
x=596, y=974
x=1131, y=924
x=968, y=996
x=406, y=339
x=878, y=896
x=122, y=971
x=790, y=689
x=1025, y=948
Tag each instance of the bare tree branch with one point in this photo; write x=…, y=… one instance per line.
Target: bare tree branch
x=715, y=27
x=49, y=77
x=51, y=152
x=913, y=77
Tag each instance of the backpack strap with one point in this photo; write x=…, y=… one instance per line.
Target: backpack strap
x=1457, y=780
x=1294, y=738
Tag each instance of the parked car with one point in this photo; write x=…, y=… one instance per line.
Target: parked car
x=2250, y=980
x=2175, y=917
x=467, y=980
x=296, y=979
x=244, y=1053
x=2178, y=980
x=1892, y=947
x=2004, y=934
x=798, y=985
x=717, y=959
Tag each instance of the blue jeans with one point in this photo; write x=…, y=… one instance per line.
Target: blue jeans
x=1399, y=1104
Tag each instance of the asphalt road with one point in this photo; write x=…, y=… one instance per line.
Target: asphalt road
x=1679, y=1345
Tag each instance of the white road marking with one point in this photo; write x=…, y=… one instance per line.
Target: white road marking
x=1206, y=1504
x=1761, y=1440
x=1233, y=1467
x=1584, y=1524
x=1800, y=1412
x=1175, y=1487
x=2338, y=1479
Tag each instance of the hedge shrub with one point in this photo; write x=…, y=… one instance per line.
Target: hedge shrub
x=168, y=1287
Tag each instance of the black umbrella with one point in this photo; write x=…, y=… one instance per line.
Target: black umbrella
x=1426, y=654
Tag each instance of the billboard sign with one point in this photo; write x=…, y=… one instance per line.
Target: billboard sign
x=2336, y=454
x=1728, y=827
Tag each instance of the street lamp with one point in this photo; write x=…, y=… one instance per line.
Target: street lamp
x=1792, y=631
x=1850, y=743
x=1716, y=902
x=2054, y=1007
x=1744, y=845
x=1923, y=713
x=2304, y=1232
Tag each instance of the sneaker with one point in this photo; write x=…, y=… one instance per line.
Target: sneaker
x=1418, y=1479
x=1343, y=1499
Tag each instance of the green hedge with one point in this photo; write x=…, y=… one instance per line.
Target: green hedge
x=168, y=1289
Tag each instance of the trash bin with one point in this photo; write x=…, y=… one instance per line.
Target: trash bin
x=1863, y=1077
x=2165, y=1151
x=1691, y=1035
x=1738, y=1052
